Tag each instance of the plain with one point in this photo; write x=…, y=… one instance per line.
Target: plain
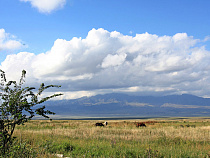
x=172, y=137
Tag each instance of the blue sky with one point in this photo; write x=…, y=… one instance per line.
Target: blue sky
x=36, y=25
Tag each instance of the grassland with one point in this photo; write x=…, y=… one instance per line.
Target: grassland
x=186, y=137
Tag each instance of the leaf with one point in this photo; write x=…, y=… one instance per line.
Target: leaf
x=18, y=105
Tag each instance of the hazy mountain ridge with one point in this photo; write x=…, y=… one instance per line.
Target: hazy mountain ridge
x=121, y=105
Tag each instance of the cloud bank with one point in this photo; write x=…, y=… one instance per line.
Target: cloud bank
x=112, y=62
x=46, y=6
x=8, y=42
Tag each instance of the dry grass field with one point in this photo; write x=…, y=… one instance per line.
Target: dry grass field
x=186, y=137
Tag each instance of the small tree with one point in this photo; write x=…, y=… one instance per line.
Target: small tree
x=17, y=106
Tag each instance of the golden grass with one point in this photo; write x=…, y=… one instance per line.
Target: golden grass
x=84, y=132
x=125, y=130
x=198, y=133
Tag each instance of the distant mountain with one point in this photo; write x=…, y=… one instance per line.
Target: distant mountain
x=123, y=105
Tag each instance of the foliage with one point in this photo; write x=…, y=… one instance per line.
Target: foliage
x=17, y=106
x=19, y=149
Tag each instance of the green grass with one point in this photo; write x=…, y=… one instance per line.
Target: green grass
x=163, y=138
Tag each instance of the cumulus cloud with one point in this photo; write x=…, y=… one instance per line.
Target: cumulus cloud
x=113, y=60
x=46, y=6
x=8, y=41
x=110, y=61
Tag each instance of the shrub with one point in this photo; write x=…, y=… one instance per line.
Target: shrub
x=17, y=107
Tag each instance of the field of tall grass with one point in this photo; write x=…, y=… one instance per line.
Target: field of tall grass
x=189, y=137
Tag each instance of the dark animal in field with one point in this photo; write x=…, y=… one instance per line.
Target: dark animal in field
x=101, y=124
x=141, y=124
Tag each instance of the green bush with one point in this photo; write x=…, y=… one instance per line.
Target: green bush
x=19, y=150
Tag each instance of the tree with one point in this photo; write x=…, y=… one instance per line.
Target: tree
x=17, y=106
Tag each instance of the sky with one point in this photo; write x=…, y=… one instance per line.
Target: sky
x=89, y=47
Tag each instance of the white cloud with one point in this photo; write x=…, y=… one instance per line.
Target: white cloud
x=8, y=42
x=207, y=38
x=46, y=6
x=110, y=61
x=113, y=60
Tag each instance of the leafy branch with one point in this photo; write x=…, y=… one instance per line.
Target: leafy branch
x=16, y=106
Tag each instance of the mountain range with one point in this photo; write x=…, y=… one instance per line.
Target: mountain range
x=117, y=105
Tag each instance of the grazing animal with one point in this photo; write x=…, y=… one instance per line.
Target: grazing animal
x=102, y=124
x=99, y=124
x=141, y=124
